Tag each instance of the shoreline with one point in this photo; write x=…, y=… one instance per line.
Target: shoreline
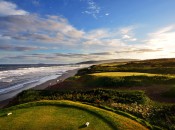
x=57, y=80
x=44, y=85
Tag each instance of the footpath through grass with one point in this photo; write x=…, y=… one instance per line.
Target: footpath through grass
x=63, y=115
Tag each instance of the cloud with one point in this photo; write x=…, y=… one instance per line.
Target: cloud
x=52, y=29
x=16, y=48
x=93, y=9
x=105, y=38
x=57, y=30
x=127, y=34
x=8, y=8
x=98, y=34
x=163, y=38
x=126, y=37
x=35, y=2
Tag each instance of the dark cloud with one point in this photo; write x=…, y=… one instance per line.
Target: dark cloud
x=16, y=48
x=60, y=55
x=101, y=53
x=72, y=55
x=31, y=56
x=140, y=50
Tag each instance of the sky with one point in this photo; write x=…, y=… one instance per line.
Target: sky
x=70, y=31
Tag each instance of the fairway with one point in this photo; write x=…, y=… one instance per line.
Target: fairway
x=63, y=115
x=122, y=74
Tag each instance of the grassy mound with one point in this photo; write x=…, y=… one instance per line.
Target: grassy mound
x=63, y=115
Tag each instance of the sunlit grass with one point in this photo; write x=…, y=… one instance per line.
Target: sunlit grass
x=122, y=74
x=112, y=64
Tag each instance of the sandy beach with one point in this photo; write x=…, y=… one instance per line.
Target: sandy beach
x=42, y=86
x=49, y=83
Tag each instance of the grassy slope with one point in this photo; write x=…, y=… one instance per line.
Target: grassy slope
x=158, y=74
x=63, y=115
x=156, y=66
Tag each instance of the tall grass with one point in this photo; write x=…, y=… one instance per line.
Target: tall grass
x=92, y=96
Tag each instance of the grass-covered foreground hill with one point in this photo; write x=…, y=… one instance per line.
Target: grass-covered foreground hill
x=123, y=102
x=63, y=115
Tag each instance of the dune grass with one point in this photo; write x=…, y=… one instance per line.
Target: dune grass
x=64, y=115
x=122, y=74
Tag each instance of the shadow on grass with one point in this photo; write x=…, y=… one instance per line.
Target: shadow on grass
x=107, y=121
x=82, y=126
x=104, y=119
x=3, y=115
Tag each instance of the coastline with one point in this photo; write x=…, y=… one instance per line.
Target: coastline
x=59, y=79
x=45, y=85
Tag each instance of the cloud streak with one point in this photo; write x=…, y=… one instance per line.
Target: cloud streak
x=63, y=55
x=16, y=48
x=145, y=50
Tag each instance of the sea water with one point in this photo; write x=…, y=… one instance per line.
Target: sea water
x=15, y=78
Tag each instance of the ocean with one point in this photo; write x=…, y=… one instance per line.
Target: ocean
x=15, y=78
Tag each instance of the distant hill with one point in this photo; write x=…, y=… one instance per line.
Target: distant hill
x=107, y=61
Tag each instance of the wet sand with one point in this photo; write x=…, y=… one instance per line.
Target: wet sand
x=42, y=86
